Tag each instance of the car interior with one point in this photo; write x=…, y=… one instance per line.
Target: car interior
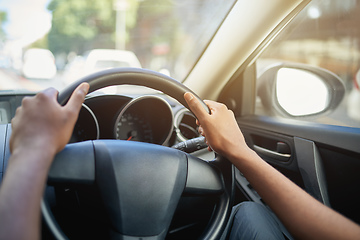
x=136, y=166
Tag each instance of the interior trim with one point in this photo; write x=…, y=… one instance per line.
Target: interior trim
x=346, y=138
x=236, y=41
x=311, y=169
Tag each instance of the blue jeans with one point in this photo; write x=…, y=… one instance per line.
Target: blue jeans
x=250, y=220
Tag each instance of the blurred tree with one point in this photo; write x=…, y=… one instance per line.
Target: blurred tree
x=157, y=27
x=152, y=27
x=75, y=24
x=85, y=24
x=3, y=18
x=41, y=43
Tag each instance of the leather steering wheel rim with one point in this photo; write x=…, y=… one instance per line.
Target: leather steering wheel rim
x=132, y=76
x=173, y=88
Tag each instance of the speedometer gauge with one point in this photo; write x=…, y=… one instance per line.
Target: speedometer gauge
x=133, y=127
x=145, y=119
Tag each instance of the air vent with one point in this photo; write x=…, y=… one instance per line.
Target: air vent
x=185, y=124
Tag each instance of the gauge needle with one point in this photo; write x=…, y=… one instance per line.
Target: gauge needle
x=129, y=138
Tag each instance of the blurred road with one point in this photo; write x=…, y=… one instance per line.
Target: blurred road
x=9, y=80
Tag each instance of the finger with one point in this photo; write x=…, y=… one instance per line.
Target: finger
x=18, y=110
x=77, y=97
x=50, y=92
x=201, y=131
x=195, y=106
x=215, y=106
x=43, y=96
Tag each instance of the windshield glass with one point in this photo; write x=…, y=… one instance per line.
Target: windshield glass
x=47, y=43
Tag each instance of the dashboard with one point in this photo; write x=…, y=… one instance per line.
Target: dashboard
x=156, y=119
x=153, y=118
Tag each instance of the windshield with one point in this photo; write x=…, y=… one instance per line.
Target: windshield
x=47, y=43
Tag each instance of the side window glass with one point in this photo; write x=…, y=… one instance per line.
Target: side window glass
x=311, y=71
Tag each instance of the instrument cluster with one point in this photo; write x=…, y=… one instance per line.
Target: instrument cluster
x=148, y=118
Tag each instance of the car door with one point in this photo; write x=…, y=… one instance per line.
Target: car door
x=317, y=149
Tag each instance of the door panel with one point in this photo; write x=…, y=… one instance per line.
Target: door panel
x=322, y=159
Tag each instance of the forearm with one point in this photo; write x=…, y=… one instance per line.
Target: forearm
x=41, y=128
x=21, y=192
x=305, y=217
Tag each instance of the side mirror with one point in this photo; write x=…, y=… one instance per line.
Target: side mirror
x=299, y=90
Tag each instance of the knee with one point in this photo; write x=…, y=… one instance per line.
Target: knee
x=254, y=221
x=250, y=213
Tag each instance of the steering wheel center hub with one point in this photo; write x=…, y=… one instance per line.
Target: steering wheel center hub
x=140, y=185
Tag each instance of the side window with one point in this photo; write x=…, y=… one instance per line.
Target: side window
x=311, y=71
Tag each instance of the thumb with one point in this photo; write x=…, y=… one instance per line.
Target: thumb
x=195, y=106
x=77, y=97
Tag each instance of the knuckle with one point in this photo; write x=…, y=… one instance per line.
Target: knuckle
x=26, y=100
x=223, y=106
x=46, y=94
x=13, y=122
x=42, y=95
x=18, y=110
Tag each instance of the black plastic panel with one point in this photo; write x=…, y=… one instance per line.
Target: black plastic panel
x=343, y=181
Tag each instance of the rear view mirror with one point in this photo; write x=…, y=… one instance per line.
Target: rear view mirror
x=299, y=90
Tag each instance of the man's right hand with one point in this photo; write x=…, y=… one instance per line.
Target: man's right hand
x=220, y=128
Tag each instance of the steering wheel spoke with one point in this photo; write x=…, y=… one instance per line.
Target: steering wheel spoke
x=75, y=164
x=203, y=178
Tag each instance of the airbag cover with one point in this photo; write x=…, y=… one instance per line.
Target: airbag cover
x=141, y=185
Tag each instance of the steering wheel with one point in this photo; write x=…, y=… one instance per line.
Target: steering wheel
x=141, y=184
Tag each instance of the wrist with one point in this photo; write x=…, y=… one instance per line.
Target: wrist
x=42, y=153
x=36, y=143
x=241, y=156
